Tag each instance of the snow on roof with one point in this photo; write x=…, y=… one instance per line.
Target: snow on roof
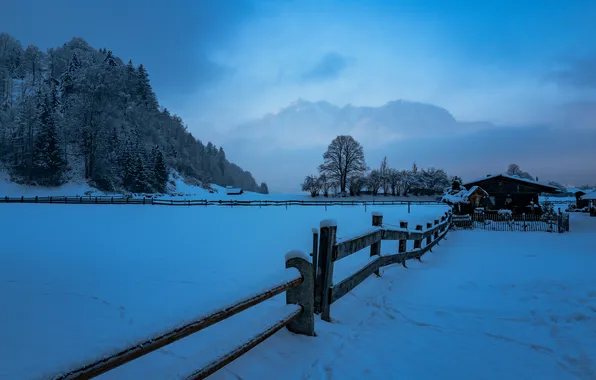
x=513, y=177
x=590, y=196
x=473, y=189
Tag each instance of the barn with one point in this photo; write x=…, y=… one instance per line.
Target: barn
x=512, y=192
x=234, y=190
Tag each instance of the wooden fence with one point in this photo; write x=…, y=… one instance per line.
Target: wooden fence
x=297, y=316
x=116, y=200
x=329, y=251
x=308, y=288
x=494, y=221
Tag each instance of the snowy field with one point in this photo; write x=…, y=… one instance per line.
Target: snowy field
x=79, y=281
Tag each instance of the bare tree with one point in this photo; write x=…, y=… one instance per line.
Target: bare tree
x=312, y=184
x=394, y=181
x=344, y=157
x=384, y=171
x=356, y=183
x=374, y=182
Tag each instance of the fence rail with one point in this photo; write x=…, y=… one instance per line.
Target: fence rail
x=297, y=283
x=328, y=251
x=494, y=221
x=307, y=285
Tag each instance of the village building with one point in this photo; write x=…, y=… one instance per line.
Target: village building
x=589, y=201
x=520, y=195
x=234, y=190
x=465, y=201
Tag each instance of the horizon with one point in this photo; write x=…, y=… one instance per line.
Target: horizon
x=219, y=67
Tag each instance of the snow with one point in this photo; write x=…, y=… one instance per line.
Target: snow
x=590, y=196
x=482, y=305
x=297, y=254
x=84, y=281
x=376, y=213
x=328, y=223
x=514, y=177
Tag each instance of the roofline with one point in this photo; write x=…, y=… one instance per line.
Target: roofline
x=523, y=180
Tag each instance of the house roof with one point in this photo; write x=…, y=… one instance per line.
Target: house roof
x=233, y=190
x=473, y=189
x=590, y=196
x=543, y=186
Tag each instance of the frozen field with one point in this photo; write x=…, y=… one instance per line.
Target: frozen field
x=79, y=281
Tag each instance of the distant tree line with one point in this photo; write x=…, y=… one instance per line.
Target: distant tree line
x=78, y=112
x=344, y=172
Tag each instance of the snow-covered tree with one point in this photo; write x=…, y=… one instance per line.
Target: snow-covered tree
x=374, y=181
x=312, y=185
x=160, y=171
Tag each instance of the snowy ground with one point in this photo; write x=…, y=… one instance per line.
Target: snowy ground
x=182, y=190
x=78, y=281
x=83, y=280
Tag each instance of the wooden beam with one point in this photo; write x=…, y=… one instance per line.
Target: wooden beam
x=350, y=246
x=147, y=346
x=294, y=312
x=345, y=286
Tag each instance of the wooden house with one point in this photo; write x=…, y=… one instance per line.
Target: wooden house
x=579, y=202
x=465, y=201
x=589, y=200
x=234, y=190
x=514, y=193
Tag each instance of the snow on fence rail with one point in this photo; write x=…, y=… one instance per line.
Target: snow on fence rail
x=500, y=221
x=327, y=251
x=204, y=202
x=308, y=289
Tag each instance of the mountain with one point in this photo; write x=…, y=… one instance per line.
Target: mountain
x=75, y=112
x=318, y=122
x=295, y=138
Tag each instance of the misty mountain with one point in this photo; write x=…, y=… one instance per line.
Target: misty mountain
x=296, y=137
x=318, y=122
x=76, y=112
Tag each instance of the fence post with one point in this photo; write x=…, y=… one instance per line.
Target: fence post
x=401, y=248
x=315, y=257
x=375, y=248
x=524, y=220
x=429, y=238
x=409, y=203
x=36, y=197
x=302, y=294
x=418, y=243
x=324, y=278
x=437, y=229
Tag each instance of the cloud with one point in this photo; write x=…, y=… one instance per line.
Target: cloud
x=329, y=67
x=579, y=73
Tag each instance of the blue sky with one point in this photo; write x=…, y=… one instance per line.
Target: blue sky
x=217, y=63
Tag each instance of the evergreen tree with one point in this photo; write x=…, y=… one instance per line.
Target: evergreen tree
x=144, y=90
x=67, y=78
x=110, y=60
x=264, y=188
x=141, y=180
x=49, y=164
x=160, y=172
